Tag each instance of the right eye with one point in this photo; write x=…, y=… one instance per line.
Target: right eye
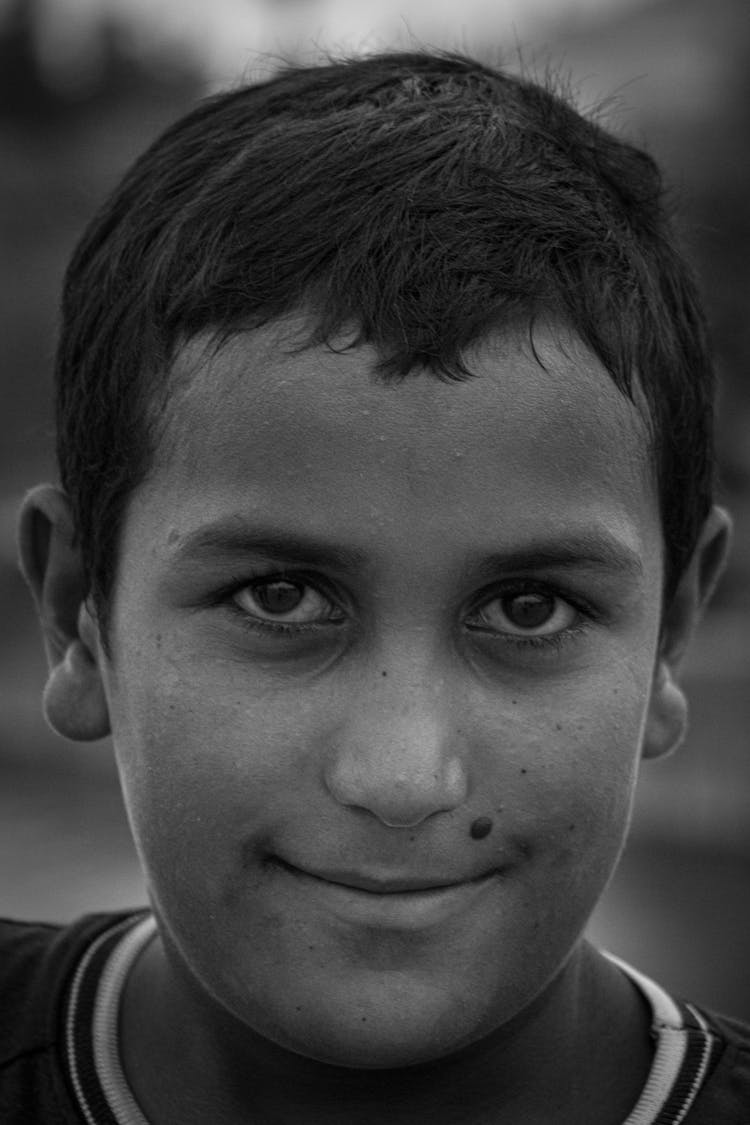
x=278, y=600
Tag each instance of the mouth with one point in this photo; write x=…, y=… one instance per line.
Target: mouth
x=382, y=885
x=387, y=901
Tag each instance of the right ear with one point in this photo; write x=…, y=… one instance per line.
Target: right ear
x=75, y=704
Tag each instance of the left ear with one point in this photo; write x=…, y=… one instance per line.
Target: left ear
x=666, y=723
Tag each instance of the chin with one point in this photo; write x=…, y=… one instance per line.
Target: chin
x=383, y=1028
x=380, y=1044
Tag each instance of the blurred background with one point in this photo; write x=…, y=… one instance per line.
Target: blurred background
x=84, y=86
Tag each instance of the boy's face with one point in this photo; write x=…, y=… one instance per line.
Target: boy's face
x=460, y=619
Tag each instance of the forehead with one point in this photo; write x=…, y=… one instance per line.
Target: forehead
x=536, y=438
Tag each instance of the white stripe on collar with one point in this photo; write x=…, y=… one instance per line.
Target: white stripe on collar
x=667, y=1025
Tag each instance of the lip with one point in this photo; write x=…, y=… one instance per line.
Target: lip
x=390, y=902
x=385, y=885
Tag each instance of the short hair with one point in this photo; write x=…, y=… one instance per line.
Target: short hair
x=422, y=197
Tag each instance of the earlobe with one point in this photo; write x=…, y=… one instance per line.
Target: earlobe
x=667, y=720
x=75, y=703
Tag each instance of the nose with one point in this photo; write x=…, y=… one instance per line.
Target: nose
x=396, y=754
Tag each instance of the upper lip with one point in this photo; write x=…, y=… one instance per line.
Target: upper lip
x=385, y=884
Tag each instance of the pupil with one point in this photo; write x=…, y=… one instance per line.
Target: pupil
x=529, y=611
x=278, y=597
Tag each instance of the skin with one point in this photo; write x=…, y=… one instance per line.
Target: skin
x=265, y=772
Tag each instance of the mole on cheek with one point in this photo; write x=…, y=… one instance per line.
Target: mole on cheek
x=481, y=827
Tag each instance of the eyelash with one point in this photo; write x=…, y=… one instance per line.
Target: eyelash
x=549, y=641
x=545, y=642
x=273, y=628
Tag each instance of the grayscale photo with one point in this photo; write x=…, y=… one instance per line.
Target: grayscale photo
x=375, y=562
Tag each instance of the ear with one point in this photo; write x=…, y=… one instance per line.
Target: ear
x=74, y=701
x=666, y=724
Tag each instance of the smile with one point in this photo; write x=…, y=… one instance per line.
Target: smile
x=391, y=901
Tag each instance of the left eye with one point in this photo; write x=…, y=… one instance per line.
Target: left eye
x=285, y=600
x=526, y=613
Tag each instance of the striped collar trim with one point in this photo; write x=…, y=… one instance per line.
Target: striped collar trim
x=682, y=1058
x=91, y=1037
x=684, y=1049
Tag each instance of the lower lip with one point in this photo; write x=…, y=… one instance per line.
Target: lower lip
x=397, y=910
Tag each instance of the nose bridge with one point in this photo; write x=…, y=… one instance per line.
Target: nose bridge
x=396, y=753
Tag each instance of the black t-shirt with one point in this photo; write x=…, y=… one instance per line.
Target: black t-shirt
x=51, y=982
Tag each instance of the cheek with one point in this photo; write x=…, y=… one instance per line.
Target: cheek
x=201, y=761
x=579, y=778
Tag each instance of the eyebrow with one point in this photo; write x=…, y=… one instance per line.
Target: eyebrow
x=590, y=549
x=232, y=538
x=597, y=550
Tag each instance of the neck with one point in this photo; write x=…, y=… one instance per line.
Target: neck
x=579, y=1053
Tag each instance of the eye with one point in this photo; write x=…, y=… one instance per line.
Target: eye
x=285, y=601
x=526, y=613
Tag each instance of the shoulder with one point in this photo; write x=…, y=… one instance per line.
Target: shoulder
x=36, y=961
x=701, y=1069
x=29, y=955
x=724, y=1098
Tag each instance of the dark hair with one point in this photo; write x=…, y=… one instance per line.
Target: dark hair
x=425, y=199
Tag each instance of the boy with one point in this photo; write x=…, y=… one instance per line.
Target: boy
x=384, y=409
